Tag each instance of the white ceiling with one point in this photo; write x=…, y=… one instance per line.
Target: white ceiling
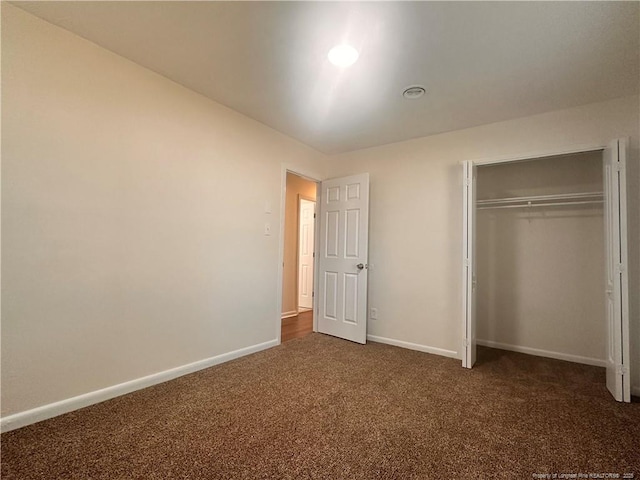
x=480, y=62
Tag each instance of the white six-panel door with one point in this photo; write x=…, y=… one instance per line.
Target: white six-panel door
x=616, y=300
x=469, y=264
x=307, y=209
x=343, y=269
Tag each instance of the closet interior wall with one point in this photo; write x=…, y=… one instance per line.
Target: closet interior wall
x=540, y=269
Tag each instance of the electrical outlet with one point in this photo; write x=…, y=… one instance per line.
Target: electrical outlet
x=373, y=313
x=267, y=229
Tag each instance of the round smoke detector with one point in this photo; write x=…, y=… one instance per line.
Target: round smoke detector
x=413, y=92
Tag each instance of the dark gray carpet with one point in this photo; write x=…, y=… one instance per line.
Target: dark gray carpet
x=320, y=407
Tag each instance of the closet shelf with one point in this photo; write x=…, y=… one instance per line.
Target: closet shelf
x=556, y=200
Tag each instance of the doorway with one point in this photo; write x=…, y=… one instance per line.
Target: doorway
x=298, y=257
x=551, y=205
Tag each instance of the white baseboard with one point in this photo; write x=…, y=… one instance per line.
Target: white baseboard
x=635, y=391
x=543, y=353
x=290, y=314
x=44, y=412
x=414, y=346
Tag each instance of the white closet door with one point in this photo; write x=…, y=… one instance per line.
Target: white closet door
x=343, y=269
x=469, y=265
x=617, y=302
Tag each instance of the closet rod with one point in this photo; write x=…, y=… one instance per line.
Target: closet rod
x=532, y=205
x=544, y=198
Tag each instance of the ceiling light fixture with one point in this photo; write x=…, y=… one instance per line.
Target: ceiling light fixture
x=413, y=92
x=343, y=55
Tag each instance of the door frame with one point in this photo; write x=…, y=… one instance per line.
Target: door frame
x=315, y=177
x=592, y=147
x=519, y=158
x=315, y=202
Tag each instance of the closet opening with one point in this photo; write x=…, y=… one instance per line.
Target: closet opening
x=544, y=260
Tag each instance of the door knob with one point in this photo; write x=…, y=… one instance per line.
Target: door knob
x=360, y=266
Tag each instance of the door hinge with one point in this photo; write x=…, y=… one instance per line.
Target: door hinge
x=314, y=254
x=466, y=343
x=622, y=370
x=313, y=294
x=619, y=268
x=466, y=262
x=314, y=215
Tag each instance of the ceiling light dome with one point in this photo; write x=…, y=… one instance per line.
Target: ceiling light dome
x=343, y=55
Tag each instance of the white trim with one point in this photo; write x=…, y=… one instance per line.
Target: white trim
x=539, y=155
x=414, y=346
x=596, y=362
x=280, y=269
x=290, y=314
x=303, y=172
x=44, y=412
x=316, y=259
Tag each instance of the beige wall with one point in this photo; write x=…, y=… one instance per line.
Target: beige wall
x=415, y=238
x=133, y=215
x=540, y=271
x=133, y=218
x=296, y=186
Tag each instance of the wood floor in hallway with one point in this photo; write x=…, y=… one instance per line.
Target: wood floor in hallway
x=298, y=326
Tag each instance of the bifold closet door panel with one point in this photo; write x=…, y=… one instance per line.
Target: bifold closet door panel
x=469, y=235
x=617, y=295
